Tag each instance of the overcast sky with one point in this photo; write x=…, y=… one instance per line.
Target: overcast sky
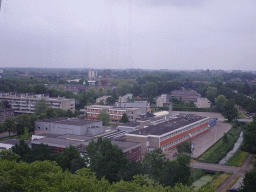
x=150, y=34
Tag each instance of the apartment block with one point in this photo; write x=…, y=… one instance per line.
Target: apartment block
x=25, y=103
x=115, y=113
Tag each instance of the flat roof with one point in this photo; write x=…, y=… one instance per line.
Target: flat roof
x=99, y=106
x=65, y=140
x=11, y=141
x=167, y=126
x=68, y=121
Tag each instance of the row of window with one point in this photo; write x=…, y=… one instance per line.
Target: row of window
x=181, y=131
x=179, y=140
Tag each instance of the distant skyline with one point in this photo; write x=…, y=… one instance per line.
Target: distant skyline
x=113, y=34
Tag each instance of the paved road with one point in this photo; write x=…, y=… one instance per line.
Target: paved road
x=240, y=120
x=215, y=167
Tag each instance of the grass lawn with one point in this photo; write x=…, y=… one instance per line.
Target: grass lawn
x=238, y=158
x=218, y=180
x=241, y=114
x=220, y=149
x=231, y=183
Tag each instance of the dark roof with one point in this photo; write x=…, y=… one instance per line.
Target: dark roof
x=131, y=124
x=66, y=140
x=11, y=141
x=167, y=126
x=68, y=121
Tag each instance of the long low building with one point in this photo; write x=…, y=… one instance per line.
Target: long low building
x=58, y=143
x=167, y=134
x=25, y=103
x=74, y=126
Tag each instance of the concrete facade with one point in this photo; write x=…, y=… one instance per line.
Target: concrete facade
x=115, y=113
x=25, y=103
x=203, y=103
x=70, y=126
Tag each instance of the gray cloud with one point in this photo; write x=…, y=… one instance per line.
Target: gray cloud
x=182, y=34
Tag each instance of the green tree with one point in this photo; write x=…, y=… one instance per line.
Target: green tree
x=153, y=164
x=9, y=125
x=40, y=89
x=101, y=102
x=42, y=116
x=249, y=181
x=225, y=138
x=185, y=147
x=41, y=106
x=50, y=113
x=23, y=151
x=8, y=155
x=211, y=93
x=106, y=160
x=100, y=91
x=249, y=142
x=70, y=159
x=124, y=118
x=108, y=91
x=104, y=117
x=22, y=122
x=41, y=153
x=229, y=111
x=220, y=101
x=149, y=89
x=53, y=91
x=123, y=88
x=31, y=124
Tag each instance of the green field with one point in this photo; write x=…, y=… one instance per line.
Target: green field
x=238, y=158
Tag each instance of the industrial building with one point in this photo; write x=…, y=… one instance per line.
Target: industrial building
x=167, y=133
x=58, y=143
x=70, y=126
x=25, y=102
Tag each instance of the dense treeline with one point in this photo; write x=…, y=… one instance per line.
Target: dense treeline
x=147, y=86
x=24, y=169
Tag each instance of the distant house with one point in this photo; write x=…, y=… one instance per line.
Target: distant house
x=163, y=100
x=186, y=95
x=203, y=103
x=125, y=98
x=103, y=98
